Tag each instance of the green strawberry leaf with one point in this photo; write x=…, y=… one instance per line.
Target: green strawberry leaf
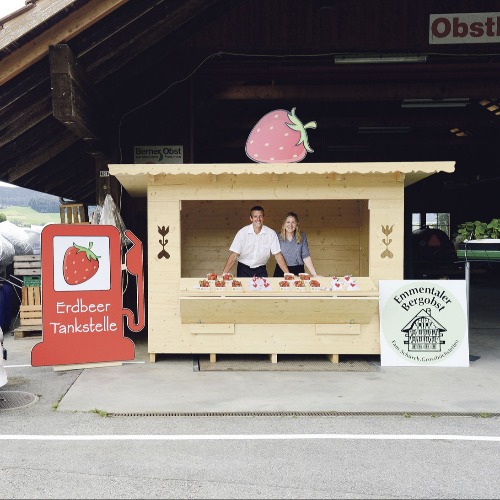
x=298, y=126
x=88, y=252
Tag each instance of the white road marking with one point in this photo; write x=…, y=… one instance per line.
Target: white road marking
x=244, y=437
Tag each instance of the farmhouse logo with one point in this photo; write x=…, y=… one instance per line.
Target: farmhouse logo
x=422, y=323
x=479, y=27
x=423, y=333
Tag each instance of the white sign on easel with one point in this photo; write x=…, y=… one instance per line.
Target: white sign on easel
x=423, y=323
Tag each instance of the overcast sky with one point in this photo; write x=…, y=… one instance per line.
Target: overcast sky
x=8, y=6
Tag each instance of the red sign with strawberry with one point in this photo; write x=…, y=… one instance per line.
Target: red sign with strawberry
x=279, y=137
x=79, y=264
x=83, y=315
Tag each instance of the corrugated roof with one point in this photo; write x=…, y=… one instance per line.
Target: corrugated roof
x=22, y=25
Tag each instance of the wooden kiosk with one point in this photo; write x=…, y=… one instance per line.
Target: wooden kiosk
x=352, y=214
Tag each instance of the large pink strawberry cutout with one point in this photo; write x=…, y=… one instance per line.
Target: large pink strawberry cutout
x=279, y=137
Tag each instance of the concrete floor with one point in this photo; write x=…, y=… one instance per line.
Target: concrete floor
x=172, y=386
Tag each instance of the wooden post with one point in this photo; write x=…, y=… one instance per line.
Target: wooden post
x=334, y=358
x=75, y=101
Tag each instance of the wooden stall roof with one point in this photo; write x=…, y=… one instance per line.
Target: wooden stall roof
x=134, y=177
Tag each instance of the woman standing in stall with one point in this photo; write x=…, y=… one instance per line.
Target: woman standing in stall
x=294, y=247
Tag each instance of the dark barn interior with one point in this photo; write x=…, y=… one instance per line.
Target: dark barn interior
x=84, y=81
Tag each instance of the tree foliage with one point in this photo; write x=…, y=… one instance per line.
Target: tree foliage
x=44, y=205
x=20, y=197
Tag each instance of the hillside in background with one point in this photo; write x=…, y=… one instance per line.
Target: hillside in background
x=20, y=197
x=24, y=207
x=26, y=216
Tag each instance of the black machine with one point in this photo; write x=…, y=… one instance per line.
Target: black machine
x=433, y=255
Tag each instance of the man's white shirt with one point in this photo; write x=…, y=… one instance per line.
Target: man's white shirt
x=254, y=249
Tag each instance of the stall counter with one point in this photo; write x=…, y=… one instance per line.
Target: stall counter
x=304, y=315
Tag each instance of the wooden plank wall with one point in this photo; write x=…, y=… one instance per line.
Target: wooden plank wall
x=336, y=230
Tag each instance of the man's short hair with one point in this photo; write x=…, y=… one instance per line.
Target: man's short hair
x=257, y=208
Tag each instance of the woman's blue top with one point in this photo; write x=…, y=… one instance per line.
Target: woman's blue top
x=293, y=253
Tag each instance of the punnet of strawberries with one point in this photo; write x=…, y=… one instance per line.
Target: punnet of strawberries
x=236, y=284
x=220, y=283
x=204, y=284
x=314, y=284
x=289, y=276
x=212, y=276
x=304, y=276
x=284, y=284
x=299, y=284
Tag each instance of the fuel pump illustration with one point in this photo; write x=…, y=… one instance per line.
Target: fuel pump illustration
x=82, y=295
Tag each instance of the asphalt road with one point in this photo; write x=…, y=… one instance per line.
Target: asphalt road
x=47, y=453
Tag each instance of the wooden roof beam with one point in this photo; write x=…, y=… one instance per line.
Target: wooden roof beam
x=31, y=159
x=360, y=91
x=56, y=176
x=16, y=124
x=75, y=101
x=228, y=125
x=152, y=27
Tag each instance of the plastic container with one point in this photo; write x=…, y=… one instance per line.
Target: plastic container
x=6, y=305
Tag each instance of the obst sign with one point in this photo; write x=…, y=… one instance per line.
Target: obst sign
x=464, y=28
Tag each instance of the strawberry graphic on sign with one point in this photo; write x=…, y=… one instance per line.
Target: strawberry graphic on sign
x=83, y=315
x=80, y=264
x=279, y=137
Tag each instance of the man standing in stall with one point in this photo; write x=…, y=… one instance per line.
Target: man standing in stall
x=252, y=247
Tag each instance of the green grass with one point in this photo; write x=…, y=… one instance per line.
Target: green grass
x=25, y=216
x=102, y=413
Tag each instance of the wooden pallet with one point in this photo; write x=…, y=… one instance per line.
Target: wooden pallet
x=30, y=315
x=30, y=310
x=22, y=332
x=27, y=265
x=31, y=296
x=73, y=213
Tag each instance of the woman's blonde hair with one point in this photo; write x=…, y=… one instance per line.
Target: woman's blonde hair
x=298, y=233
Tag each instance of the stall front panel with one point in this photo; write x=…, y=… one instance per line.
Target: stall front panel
x=353, y=216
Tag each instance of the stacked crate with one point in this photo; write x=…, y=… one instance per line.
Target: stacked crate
x=29, y=267
x=73, y=213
